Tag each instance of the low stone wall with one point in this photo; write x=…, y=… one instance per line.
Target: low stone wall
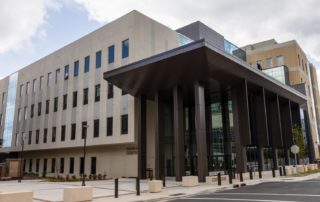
x=190, y=181
x=73, y=194
x=22, y=196
x=155, y=186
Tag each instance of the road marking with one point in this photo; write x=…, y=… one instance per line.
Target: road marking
x=268, y=194
x=234, y=199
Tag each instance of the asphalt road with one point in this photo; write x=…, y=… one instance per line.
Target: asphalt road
x=306, y=191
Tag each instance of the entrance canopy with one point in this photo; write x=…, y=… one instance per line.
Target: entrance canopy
x=196, y=61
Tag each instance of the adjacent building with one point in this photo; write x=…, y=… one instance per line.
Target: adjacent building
x=148, y=99
x=288, y=63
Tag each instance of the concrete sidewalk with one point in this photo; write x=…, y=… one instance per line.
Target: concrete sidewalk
x=104, y=190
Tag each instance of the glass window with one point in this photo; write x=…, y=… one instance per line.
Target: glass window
x=81, y=165
x=41, y=82
x=55, y=104
x=86, y=64
x=30, y=165
x=109, y=126
x=25, y=113
x=85, y=96
x=57, y=76
x=71, y=165
x=76, y=68
x=54, y=133
x=30, y=137
x=21, y=89
x=49, y=79
x=37, y=165
x=97, y=93
x=63, y=133
x=75, y=99
x=45, y=135
x=32, y=110
x=45, y=162
x=269, y=62
x=84, y=130
x=34, y=85
x=61, y=165
x=37, y=136
x=27, y=88
x=111, y=55
x=96, y=128
x=66, y=72
x=280, y=60
x=124, y=124
x=125, y=48
x=65, y=101
x=47, y=106
x=93, y=165
x=73, y=131
x=53, y=165
x=98, y=59
x=110, y=91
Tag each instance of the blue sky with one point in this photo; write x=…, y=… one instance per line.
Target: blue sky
x=33, y=29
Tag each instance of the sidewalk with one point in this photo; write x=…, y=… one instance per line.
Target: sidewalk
x=104, y=190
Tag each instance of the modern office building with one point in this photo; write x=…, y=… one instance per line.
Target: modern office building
x=288, y=63
x=177, y=102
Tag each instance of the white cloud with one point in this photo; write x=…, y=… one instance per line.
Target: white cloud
x=22, y=20
x=241, y=21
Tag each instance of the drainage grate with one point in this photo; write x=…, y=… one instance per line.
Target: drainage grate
x=178, y=194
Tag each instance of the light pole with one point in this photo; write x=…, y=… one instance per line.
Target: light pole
x=84, y=130
x=21, y=157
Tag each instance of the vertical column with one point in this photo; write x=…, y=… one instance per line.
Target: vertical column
x=200, y=129
x=286, y=123
x=142, y=136
x=159, y=153
x=178, y=133
x=226, y=129
x=241, y=123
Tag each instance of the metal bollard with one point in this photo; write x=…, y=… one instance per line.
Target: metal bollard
x=241, y=177
x=284, y=171
x=164, y=181
x=260, y=174
x=250, y=173
x=219, y=179
x=116, y=188
x=230, y=178
x=138, y=186
x=280, y=171
x=273, y=173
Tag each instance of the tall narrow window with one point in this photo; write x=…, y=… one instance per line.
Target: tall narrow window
x=30, y=137
x=65, y=101
x=280, y=60
x=34, y=85
x=97, y=93
x=27, y=88
x=37, y=165
x=124, y=124
x=61, y=165
x=41, y=82
x=54, y=133
x=49, y=79
x=85, y=96
x=53, y=165
x=47, y=106
x=57, y=76
x=98, y=59
x=84, y=130
x=21, y=90
x=110, y=91
x=109, y=126
x=269, y=62
x=75, y=99
x=111, y=55
x=63, y=133
x=45, y=162
x=71, y=165
x=55, y=104
x=86, y=64
x=30, y=166
x=45, y=135
x=25, y=113
x=32, y=111
x=96, y=128
x=66, y=72
x=81, y=165
x=73, y=131
x=93, y=165
x=37, y=136
x=76, y=68
x=125, y=48
x=39, y=108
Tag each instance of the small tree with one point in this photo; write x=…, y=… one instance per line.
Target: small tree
x=298, y=140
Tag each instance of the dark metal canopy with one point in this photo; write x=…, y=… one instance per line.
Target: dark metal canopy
x=197, y=61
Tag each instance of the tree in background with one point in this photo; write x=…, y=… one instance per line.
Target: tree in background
x=298, y=140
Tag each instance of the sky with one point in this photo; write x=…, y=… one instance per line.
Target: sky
x=32, y=29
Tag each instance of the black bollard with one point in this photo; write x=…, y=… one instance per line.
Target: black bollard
x=138, y=186
x=219, y=179
x=241, y=177
x=250, y=173
x=273, y=173
x=260, y=174
x=230, y=178
x=116, y=188
x=164, y=181
x=284, y=171
x=280, y=171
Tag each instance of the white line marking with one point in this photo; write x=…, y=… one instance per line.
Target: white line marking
x=234, y=199
x=268, y=194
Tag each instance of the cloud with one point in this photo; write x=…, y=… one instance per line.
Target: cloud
x=242, y=21
x=22, y=20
